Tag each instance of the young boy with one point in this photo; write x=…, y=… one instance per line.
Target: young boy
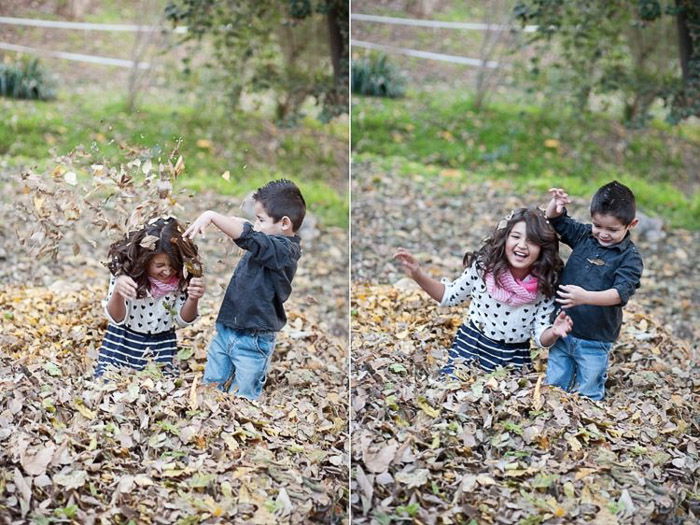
x=602, y=273
x=253, y=308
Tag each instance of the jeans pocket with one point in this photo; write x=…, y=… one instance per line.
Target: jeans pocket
x=265, y=342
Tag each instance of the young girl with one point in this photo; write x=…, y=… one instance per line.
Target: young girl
x=155, y=285
x=511, y=282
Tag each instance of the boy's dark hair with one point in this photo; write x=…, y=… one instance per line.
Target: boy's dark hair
x=491, y=257
x=615, y=199
x=131, y=254
x=282, y=197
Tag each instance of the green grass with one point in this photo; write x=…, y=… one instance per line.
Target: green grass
x=246, y=145
x=533, y=148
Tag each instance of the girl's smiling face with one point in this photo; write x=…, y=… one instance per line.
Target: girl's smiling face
x=159, y=267
x=520, y=252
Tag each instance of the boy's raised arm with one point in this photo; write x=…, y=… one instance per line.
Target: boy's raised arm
x=556, y=205
x=231, y=226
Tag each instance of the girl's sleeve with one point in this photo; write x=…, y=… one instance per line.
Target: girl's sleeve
x=112, y=282
x=179, y=303
x=542, y=320
x=459, y=290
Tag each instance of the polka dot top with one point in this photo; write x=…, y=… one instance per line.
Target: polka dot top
x=150, y=315
x=496, y=320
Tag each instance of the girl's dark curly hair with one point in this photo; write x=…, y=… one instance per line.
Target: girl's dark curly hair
x=491, y=257
x=131, y=255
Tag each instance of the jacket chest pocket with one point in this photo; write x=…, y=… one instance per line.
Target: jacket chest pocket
x=599, y=273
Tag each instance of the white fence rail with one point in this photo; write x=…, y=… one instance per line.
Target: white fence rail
x=84, y=26
x=454, y=59
x=94, y=59
x=470, y=26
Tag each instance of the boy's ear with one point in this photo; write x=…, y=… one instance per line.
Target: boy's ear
x=634, y=222
x=287, y=224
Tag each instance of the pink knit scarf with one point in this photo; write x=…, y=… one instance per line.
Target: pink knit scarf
x=162, y=288
x=510, y=290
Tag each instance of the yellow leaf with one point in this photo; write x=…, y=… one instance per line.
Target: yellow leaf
x=425, y=407
x=551, y=143
x=179, y=166
x=537, y=396
x=85, y=411
x=451, y=173
x=205, y=144
x=226, y=176
x=583, y=472
x=446, y=135
x=574, y=444
x=193, y=394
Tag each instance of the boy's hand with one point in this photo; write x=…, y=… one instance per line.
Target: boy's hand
x=198, y=226
x=409, y=263
x=556, y=206
x=196, y=288
x=571, y=295
x=126, y=287
x=562, y=324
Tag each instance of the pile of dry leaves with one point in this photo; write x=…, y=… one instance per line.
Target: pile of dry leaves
x=153, y=449
x=503, y=447
x=146, y=448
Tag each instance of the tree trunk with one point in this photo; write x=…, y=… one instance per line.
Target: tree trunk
x=685, y=43
x=337, y=21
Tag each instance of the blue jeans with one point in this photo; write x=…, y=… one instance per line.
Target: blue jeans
x=238, y=360
x=579, y=365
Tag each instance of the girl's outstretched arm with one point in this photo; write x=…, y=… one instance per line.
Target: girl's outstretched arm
x=562, y=326
x=124, y=288
x=411, y=266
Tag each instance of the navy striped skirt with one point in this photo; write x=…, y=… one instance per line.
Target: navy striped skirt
x=122, y=347
x=470, y=345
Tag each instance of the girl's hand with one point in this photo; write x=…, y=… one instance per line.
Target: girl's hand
x=126, y=287
x=196, y=288
x=556, y=206
x=562, y=324
x=409, y=263
x=571, y=295
x=198, y=226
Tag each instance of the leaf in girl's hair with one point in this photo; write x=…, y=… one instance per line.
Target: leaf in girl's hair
x=192, y=268
x=149, y=242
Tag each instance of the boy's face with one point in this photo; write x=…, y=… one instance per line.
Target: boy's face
x=266, y=224
x=608, y=230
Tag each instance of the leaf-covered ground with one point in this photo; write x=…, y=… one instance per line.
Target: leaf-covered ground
x=150, y=449
x=504, y=448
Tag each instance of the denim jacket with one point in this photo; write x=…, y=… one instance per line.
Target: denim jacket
x=596, y=268
x=261, y=283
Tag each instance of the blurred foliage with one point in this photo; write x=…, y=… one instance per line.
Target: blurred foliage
x=627, y=48
x=216, y=141
x=25, y=79
x=375, y=76
x=533, y=146
x=294, y=49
